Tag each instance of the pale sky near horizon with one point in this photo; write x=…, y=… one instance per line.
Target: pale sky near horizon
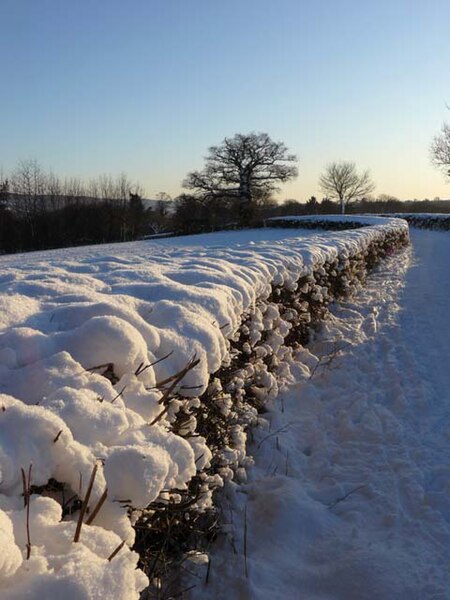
x=145, y=86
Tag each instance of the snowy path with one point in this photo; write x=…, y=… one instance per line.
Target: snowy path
x=350, y=495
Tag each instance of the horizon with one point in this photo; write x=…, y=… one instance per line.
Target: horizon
x=6, y=177
x=147, y=88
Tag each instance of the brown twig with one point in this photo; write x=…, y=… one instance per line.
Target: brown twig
x=141, y=368
x=56, y=438
x=138, y=370
x=116, y=551
x=85, y=504
x=26, y=494
x=245, y=541
x=327, y=359
x=105, y=365
x=192, y=363
x=24, y=487
x=97, y=507
x=182, y=592
x=177, y=376
x=208, y=570
x=119, y=394
x=345, y=496
x=276, y=432
x=191, y=387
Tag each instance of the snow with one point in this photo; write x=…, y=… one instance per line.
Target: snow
x=429, y=216
x=427, y=220
x=28, y=434
x=360, y=219
x=59, y=568
x=71, y=316
x=349, y=494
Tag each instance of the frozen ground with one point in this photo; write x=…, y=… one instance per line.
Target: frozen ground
x=350, y=495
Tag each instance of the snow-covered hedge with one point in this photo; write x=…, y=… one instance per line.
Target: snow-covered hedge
x=336, y=222
x=427, y=220
x=129, y=376
x=327, y=222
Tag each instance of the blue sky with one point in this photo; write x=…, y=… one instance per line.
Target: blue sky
x=145, y=86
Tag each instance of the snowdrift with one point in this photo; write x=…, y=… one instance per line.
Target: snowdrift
x=129, y=376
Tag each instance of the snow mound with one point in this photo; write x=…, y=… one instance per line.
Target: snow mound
x=58, y=567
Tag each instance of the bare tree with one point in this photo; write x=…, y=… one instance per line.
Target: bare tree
x=440, y=150
x=312, y=206
x=53, y=196
x=4, y=192
x=163, y=203
x=163, y=196
x=245, y=166
x=74, y=190
x=341, y=180
x=28, y=183
x=39, y=210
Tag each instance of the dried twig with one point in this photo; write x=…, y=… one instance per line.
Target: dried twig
x=26, y=495
x=345, y=496
x=327, y=359
x=141, y=367
x=191, y=387
x=116, y=551
x=177, y=377
x=245, y=541
x=276, y=432
x=182, y=592
x=85, y=504
x=103, y=366
x=24, y=488
x=56, y=438
x=97, y=507
x=192, y=363
x=119, y=394
x=138, y=370
x=208, y=570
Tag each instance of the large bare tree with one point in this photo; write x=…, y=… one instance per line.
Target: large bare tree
x=246, y=166
x=440, y=150
x=341, y=180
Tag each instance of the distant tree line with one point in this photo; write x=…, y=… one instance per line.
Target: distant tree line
x=382, y=204
x=40, y=211
x=195, y=216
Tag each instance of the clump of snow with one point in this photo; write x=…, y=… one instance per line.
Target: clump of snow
x=35, y=435
x=59, y=567
x=11, y=556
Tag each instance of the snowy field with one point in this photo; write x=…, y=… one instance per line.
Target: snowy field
x=349, y=498
x=86, y=337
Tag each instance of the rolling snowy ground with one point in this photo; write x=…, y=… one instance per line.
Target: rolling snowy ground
x=350, y=494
